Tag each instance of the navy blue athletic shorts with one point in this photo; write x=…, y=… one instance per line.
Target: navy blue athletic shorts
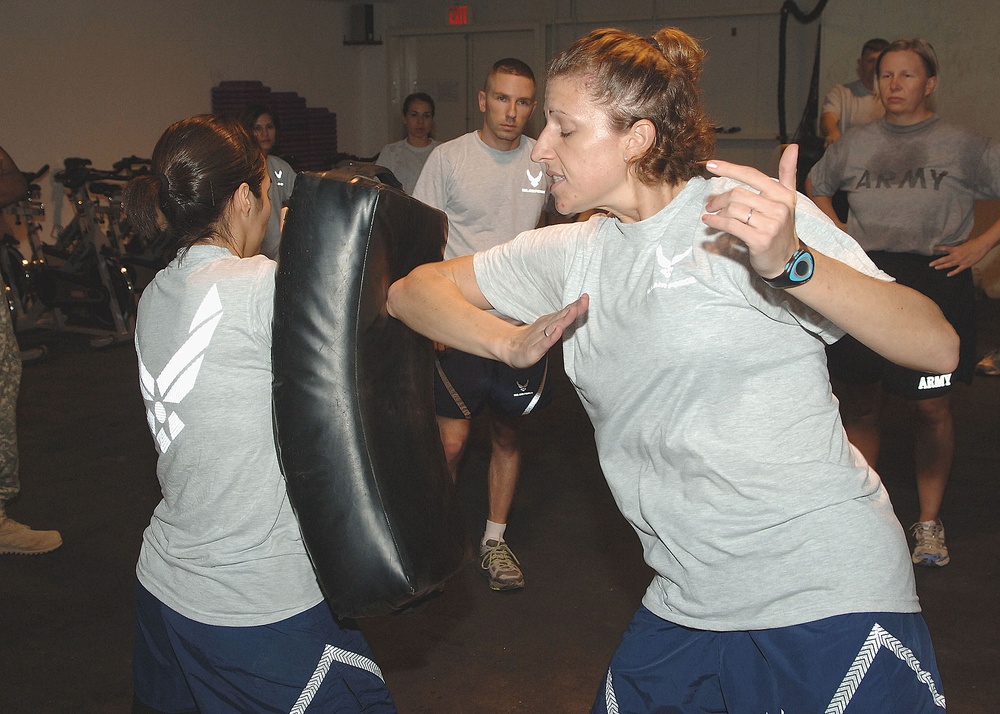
x=465, y=384
x=305, y=663
x=851, y=362
x=863, y=663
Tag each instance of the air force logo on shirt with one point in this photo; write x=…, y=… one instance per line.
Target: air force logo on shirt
x=163, y=394
x=666, y=271
x=535, y=181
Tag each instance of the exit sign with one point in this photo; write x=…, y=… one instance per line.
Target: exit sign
x=458, y=15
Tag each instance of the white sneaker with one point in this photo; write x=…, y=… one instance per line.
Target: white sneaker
x=17, y=539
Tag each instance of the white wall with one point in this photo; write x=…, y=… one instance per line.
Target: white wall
x=102, y=80
x=964, y=38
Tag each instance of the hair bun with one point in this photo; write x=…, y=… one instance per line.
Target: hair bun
x=681, y=50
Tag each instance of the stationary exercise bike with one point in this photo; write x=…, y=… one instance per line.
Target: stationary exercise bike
x=142, y=257
x=17, y=270
x=83, y=280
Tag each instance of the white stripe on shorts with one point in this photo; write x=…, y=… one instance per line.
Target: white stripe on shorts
x=877, y=639
x=330, y=655
x=609, y=695
x=538, y=392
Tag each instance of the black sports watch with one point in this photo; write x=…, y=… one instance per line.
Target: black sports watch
x=798, y=269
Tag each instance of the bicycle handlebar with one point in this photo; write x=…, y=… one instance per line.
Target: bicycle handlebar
x=129, y=161
x=32, y=177
x=79, y=171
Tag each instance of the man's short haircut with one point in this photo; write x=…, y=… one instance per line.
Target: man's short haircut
x=510, y=65
x=876, y=44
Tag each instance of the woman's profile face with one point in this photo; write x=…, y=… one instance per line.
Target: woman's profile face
x=264, y=132
x=903, y=86
x=419, y=121
x=585, y=158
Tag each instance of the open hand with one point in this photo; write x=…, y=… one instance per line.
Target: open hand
x=529, y=343
x=957, y=258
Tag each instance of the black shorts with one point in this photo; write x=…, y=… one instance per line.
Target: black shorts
x=853, y=363
x=465, y=384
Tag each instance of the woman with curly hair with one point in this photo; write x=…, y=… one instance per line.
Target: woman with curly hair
x=692, y=318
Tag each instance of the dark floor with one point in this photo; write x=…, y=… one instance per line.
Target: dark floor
x=88, y=470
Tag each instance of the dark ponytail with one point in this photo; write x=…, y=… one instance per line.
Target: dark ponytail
x=197, y=165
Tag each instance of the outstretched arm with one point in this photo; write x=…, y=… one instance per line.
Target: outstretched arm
x=443, y=302
x=897, y=322
x=13, y=187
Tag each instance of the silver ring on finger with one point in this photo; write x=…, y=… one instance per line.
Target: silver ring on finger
x=545, y=331
x=749, y=216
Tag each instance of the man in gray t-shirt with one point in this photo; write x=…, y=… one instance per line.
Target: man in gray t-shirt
x=491, y=190
x=853, y=103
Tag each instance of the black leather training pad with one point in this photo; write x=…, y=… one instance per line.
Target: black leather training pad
x=353, y=397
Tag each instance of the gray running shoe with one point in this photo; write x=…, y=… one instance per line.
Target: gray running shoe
x=500, y=566
x=930, y=548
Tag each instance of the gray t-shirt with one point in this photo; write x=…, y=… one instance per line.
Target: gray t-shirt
x=405, y=161
x=715, y=424
x=282, y=183
x=853, y=103
x=910, y=188
x=223, y=546
x=490, y=196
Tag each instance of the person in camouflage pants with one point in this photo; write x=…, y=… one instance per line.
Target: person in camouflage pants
x=15, y=537
x=10, y=378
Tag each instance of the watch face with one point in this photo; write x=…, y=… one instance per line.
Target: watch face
x=797, y=270
x=802, y=266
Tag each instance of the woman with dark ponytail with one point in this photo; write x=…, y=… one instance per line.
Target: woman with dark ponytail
x=229, y=616
x=692, y=318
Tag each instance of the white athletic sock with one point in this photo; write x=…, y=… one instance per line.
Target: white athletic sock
x=494, y=531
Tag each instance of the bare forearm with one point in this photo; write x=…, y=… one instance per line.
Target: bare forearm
x=987, y=240
x=899, y=323
x=829, y=127
x=430, y=302
x=443, y=302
